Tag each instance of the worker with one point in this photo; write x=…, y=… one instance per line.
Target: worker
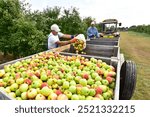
x=55, y=34
x=92, y=31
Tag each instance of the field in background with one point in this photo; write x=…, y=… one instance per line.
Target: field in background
x=136, y=47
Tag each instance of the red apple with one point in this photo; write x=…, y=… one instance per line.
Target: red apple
x=98, y=90
x=44, y=84
x=62, y=97
x=28, y=81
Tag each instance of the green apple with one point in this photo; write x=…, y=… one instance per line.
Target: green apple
x=72, y=83
x=50, y=81
x=81, y=97
x=40, y=97
x=23, y=87
x=31, y=93
x=12, y=94
x=89, y=98
x=66, y=85
x=14, y=87
x=45, y=91
x=94, y=75
x=7, y=90
x=52, y=96
x=72, y=89
x=20, y=81
x=24, y=96
x=90, y=81
x=98, y=78
x=105, y=82
x=36, y=84
x=68, y=94
x=74, y=97
x=92, y=92
x=106, y=95
x=83, y=82
x=18, y=93
x=85, y=91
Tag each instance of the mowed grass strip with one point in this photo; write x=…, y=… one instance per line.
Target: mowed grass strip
x=136, y=47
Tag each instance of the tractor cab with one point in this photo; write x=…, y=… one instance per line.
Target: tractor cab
x=109, y=28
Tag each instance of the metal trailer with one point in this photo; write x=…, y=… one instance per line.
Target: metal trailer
x=126, y=70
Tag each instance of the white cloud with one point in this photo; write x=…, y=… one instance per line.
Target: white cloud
x=129, y=12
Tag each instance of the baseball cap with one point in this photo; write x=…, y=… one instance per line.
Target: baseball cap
x=92, y=22
x=55, y=27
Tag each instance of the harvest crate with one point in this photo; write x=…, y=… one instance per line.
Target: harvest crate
x=110, y=61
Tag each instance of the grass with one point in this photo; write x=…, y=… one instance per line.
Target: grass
x=136, y=47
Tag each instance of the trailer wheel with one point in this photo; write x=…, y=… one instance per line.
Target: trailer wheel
x=127, y=80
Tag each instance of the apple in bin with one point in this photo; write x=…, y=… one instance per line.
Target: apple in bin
x=40, y=97
x=65, y=84
x=72, y=89
x=23, y=87
x=105, y=82
x=83, y=82
x=36, y=84
x=62, y=97
x=85, y=91
x=45, y=91
x=31, y=93
x=68, y=94
x=52, y=96
x=24, y=96
x=74, y=97
x=28, y=81
x=19, y=81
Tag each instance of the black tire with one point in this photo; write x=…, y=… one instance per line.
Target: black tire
x=127, y=80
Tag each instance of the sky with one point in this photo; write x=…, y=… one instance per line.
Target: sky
x=128, y=12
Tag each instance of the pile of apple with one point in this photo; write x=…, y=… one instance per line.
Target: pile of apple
x=52, y=76
x=79, y=45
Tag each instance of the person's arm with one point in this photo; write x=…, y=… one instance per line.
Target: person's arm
x=61, y=43
x=66, y=36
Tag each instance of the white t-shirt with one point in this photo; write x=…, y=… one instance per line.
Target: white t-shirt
x=52, y=39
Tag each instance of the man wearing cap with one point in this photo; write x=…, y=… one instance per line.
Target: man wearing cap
x=53, y=38
x=92, y=31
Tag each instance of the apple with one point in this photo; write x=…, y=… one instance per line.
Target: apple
x=31, y=93
x=45, y=91
x=62, y=97
x=7, y=90
x=50, y=81
x=52, y=96
x=36, y=84
x=77, y=79
x=81, y=97
x=98, y=78
x=23, y=87
x=66, y=85
x=103, y=87
x=94, y=75
x=95, y=98
x=43, y=77
x=109, y=79
x=90, y=81
x=19, y=81
x=98, y=90
x=12, y=94
x=72, y=83
x=17, y=75
x=44, y=84
x=105, y=82
x=28, y=81
x=112, y=85
x=83, y=82
x=74, y=97
x=85, y=91
x=2, y=72
x=85, y=75
x=59, y=82
x=14, y=87
x=99, y=96
x=92, y=92
x=98, y=83
x=18, y=93
x=68, y=94
x=24, y=96
x=106, y=95
x=40, y=97
x=89, y=98
x=58, y=92
x=72, y=89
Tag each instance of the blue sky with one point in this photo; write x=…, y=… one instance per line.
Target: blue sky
x=129, y=12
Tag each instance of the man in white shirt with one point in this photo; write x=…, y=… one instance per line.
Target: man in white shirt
x=53, y=38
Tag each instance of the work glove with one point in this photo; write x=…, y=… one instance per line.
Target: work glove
x=73, y=40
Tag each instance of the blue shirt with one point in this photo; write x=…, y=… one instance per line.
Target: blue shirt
x=92, y=32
